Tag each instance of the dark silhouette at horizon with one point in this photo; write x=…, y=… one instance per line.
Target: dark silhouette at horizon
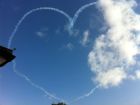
x=61, y=103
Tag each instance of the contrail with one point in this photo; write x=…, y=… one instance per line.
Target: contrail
x=92, y=91
x=33, y=84
x=71, y=24
x=30, y=12
x=70, y=19
x=13, y=35
x=76, y=15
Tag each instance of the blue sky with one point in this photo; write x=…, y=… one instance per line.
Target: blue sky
x=56, y=60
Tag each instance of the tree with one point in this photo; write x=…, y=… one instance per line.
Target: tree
x=61, y=103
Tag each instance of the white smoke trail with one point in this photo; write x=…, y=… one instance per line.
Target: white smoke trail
x=76, y=15
x=72, y=22
x=92, y=91
x=33, y=84
x=13, y=35
x=30, y=12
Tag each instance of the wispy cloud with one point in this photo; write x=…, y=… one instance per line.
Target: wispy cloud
x=72, y=32
x=42, y=32
x=70, y=46
x=85, y=39
x=114, y=53
x=138, y=74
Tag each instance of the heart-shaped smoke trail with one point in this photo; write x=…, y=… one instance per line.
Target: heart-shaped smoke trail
x=71, y=24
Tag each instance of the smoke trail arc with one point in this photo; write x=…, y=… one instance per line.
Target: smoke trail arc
x=32, y=11
x=13, y=35
x=92, y=91
x=33, y=84
x=76, y=15
x=72, y=22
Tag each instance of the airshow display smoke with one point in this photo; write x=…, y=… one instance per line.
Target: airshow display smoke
x=115, y=53
x=71, y=22
x=85, y=95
